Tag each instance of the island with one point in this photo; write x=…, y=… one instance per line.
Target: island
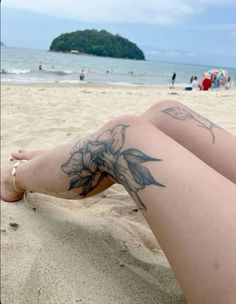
x=99, y=43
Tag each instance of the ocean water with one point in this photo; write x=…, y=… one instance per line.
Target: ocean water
x=20, y=65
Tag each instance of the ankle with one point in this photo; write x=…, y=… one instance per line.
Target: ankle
x=8, y=192
x=16, y=185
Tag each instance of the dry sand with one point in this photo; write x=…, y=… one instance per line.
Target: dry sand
x=98, y=250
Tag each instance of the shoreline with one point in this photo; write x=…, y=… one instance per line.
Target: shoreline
x=91, y=84
x=178, y=87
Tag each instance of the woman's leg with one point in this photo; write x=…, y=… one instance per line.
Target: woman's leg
x=190, y=207
x=43, y=174
x=207, y=141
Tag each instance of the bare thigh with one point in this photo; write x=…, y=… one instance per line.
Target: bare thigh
x=190, y=207
x=209, y=142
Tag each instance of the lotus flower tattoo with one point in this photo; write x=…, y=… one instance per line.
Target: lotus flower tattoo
x=99, y=156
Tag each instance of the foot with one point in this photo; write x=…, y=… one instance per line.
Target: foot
x=21, y=154
x=8, y=192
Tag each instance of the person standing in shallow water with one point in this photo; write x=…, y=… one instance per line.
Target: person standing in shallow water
x=81, y=75
x=173, y=79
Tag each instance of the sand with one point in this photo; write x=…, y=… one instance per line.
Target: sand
x=98, y=250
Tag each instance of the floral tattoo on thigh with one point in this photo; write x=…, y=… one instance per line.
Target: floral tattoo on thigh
x=93, y=159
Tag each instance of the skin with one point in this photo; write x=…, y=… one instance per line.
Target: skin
x=200, y=136
x=200, y=251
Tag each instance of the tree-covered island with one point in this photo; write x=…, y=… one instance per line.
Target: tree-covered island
x=99, y=43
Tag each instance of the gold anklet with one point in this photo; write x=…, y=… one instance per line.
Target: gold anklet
x=13, y=172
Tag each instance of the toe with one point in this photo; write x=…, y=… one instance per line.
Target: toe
x=27, y=155
x=18, y=155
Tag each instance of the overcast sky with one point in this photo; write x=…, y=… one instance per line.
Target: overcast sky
x=193, y=31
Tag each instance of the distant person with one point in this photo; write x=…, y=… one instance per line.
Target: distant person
x=81, y=75
x=173, y=79
x=228, y=83
x=195, y=83
x=215, y=84
x=191, y=79
x=40, y=67
x=206, y=83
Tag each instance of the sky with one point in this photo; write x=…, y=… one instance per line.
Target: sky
x=181, y=31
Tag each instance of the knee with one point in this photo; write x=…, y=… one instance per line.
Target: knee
x=163, y=104
x=127, y=119
x=153, y=113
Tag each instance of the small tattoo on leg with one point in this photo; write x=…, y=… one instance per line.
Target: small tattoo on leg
x=99, y=156
x=181, y=113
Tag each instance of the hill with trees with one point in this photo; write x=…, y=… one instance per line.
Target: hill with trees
x=99, y=43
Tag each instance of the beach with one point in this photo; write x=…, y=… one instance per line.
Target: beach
x=98, y=250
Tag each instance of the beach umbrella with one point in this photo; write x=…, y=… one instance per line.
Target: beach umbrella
x=219, y=77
